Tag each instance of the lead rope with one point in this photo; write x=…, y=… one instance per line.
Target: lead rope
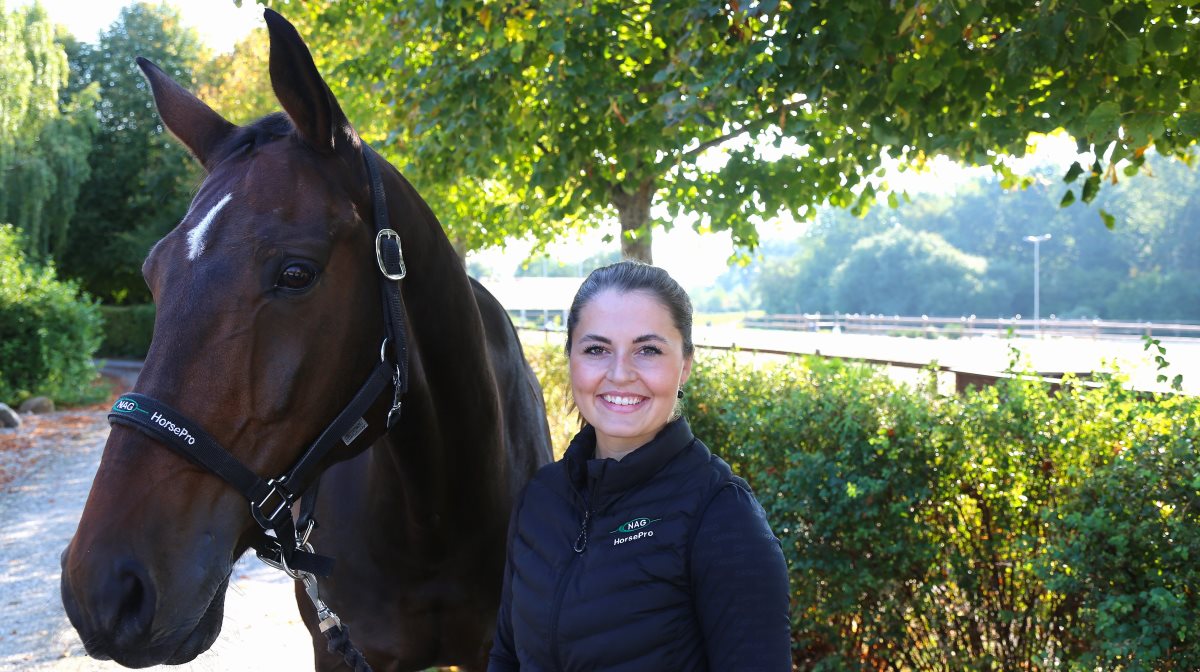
x=337, y=634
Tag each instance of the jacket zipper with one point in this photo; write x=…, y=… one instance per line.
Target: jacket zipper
x=579, y=547
x=560, y=593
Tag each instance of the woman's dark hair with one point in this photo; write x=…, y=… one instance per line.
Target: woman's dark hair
x=634, y=276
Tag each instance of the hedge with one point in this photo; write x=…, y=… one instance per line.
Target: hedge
x=1013, y=527
x=127, y=331
x=49, y=331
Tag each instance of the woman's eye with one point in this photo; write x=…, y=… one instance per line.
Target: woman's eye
x=593, y=350
x=296, y=277
x=651, y=350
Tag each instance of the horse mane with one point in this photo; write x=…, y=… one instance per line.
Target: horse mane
x=259, y=132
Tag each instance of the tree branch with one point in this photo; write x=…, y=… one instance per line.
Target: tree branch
x=750, y=127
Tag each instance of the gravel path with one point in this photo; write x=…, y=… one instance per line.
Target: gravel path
x=46, y=470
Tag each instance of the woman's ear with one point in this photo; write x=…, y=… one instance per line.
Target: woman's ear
x=687, y=371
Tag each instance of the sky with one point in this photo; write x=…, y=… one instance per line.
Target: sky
x=695, y=260
x=219, y=22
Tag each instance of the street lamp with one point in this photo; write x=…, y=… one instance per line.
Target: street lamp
x=1037, y=241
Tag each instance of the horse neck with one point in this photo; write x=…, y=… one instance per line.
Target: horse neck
x=450, y=437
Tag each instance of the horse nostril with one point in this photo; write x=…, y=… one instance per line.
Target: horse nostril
x=127, y=604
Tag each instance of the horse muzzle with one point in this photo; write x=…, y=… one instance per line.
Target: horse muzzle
x=116, y=607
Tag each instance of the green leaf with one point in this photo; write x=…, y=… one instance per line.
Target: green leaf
x=1189, y=124
x=1090, y=188
x=1073, y=172
x=907, y=21
x=1103, y=120
x=1067, y=199
x=1110, y=222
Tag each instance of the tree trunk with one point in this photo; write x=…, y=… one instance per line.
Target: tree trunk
x=634, y=213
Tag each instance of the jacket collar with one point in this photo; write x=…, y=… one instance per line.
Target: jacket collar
x=603, y=478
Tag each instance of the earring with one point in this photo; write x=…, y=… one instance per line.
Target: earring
x=679, y=394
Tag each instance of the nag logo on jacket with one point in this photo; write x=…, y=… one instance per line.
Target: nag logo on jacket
x=635, y=529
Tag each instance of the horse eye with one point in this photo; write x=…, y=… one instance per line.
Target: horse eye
x=295, y=277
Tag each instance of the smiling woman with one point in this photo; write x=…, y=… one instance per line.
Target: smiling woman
x=639, y=534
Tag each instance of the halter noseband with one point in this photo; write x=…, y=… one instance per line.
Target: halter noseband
x=279, y=542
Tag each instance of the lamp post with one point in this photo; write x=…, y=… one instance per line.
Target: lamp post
x=1037, y=241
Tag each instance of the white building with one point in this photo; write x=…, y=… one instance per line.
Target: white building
x=546, y=300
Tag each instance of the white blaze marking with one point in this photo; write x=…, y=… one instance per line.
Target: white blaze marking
x=196, y=235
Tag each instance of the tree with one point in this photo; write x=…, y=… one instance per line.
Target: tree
x=141, y=179
x=239, y=83
x=569, y=111
x=901, y=272
x=45, y=136
x=970, y=80
x=1144, y=269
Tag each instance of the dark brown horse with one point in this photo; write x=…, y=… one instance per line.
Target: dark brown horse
x=269, y=319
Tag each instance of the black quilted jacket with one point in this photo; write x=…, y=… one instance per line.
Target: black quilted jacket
x=662, y=561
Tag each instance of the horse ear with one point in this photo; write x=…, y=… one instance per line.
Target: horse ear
x=196, y=125
x=300, y=89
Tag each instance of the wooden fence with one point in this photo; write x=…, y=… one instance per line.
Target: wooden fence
x=962, y=379
x=966, y=327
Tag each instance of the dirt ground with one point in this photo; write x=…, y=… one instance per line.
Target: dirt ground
x=46, y=471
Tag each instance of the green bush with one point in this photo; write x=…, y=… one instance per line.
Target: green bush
x=1013, y=527
x=1131, y=539
x=127, y=330
x=544, y=352
x=841, y=459
x=49, y=331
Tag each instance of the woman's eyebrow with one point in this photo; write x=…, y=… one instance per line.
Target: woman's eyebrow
x=607, y=341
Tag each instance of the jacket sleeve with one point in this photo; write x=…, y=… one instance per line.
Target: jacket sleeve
x=740, y=586
x=503, y=657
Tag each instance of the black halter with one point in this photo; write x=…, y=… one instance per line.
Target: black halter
x=279, y=542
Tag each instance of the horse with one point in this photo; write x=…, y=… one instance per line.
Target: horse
x=269, y=316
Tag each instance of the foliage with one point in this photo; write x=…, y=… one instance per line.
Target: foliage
x=548, y=362
x=127, y=330
x=238, y=84
x=1144, y=268
x=968, y=80
x=900, y=272
x=48, y=330
x=1130, y=541
x=45, y=139
x=555, y=115
x=1014, y=527
x=836, y=457
x=141, y=179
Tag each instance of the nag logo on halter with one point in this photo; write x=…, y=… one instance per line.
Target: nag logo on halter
x=126, y=406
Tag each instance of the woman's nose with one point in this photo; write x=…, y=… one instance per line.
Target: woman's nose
x=620, y=370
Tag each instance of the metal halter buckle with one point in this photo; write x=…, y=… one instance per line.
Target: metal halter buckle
x=390, y=234
x=267, y=520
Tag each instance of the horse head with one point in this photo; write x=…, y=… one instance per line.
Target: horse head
x=268, y=319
